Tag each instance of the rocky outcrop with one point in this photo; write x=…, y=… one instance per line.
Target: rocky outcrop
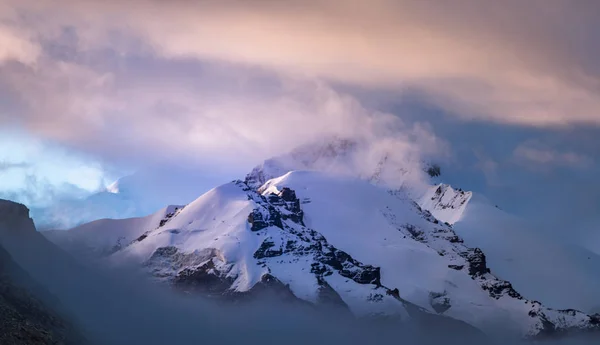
x=301, y=241
x=207, y=273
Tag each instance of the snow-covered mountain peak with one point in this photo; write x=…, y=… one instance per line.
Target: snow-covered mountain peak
x=376, y=164
x=322, y=239
x=445, y=203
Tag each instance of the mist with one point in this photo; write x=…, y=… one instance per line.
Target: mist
x=122, y=306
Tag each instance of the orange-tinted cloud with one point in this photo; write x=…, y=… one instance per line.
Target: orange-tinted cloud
x=527, y=63
x=511, y=61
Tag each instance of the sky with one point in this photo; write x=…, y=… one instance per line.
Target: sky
x=504, y=94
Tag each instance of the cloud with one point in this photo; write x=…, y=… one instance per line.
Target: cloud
x=38, y=191
x=15, y=46
x=5, y=166
x=488, y=166
x=515, y=62
x=235, y=81
x=156, y=115
x=534, y=154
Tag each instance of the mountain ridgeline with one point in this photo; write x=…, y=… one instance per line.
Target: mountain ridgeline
x=359, y=243
x=307, y=248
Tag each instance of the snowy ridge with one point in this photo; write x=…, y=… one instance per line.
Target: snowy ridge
x=260, y=240
x=106, y=236
x=445, y=203
x=539, y=320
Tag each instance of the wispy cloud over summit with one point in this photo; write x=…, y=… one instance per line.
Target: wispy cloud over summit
x=540, y=157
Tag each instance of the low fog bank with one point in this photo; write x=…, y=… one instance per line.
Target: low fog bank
x=123, y=307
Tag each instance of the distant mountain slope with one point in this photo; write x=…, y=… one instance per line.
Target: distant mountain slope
x=106, y=236
x=556, y=272
x=136, y=195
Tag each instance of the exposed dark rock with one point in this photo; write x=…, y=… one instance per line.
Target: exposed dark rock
x=501, y=288
x=141, y=238
x=433, y=170
x=257, y=221
x=455, y=239
x=288, y=194
x=367, y=275
x=416, y=233
x=394, y=293
x=169, y=216
x=205, y=279
x=286, y=198
x=477, y=262
x=265, y=250
x=164, y=251
x=439, y=302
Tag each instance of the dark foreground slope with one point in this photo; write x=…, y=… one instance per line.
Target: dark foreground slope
x=24, y=318
x=28, y=314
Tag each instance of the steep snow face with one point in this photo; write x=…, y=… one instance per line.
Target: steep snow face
x=445, y=203
x=328, y=240
x=557, y=273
